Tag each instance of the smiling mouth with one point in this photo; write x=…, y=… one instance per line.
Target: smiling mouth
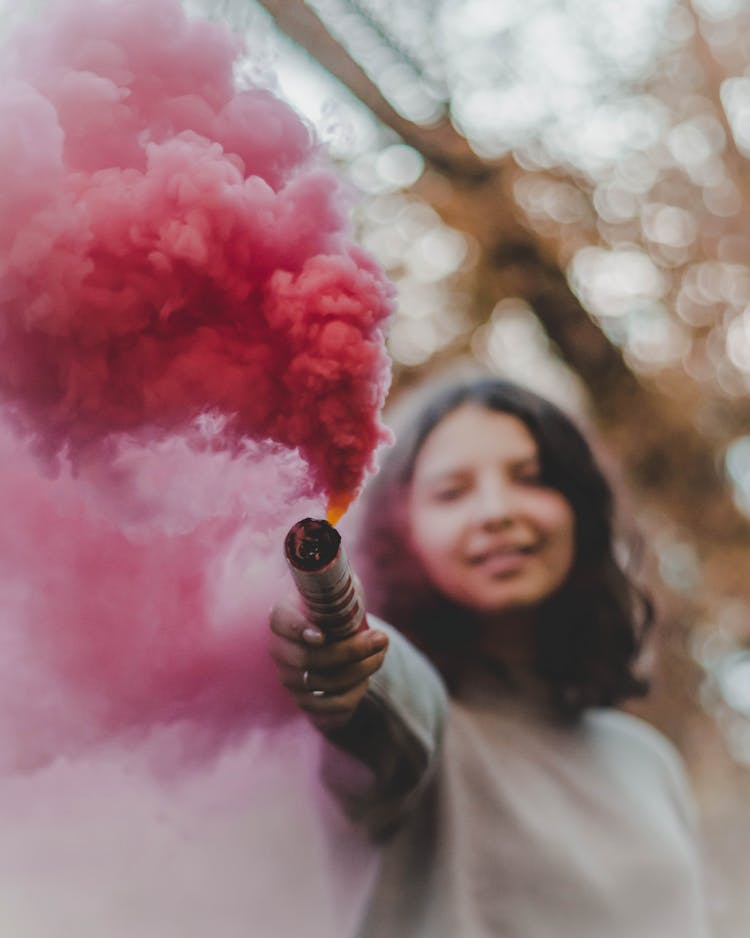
x=499, y=554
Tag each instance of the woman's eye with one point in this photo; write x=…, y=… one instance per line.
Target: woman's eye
x=531, y=477
x=449, y=494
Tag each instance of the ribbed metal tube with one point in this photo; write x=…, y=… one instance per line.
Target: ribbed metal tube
x=322, y=574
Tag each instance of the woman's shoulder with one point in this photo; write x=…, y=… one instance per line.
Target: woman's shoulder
x=633, y=731
x=632, y=736
x=649, y=754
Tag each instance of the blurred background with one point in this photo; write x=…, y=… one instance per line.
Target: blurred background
x=560, y=190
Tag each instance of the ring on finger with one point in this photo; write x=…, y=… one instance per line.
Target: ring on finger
x=306, y=685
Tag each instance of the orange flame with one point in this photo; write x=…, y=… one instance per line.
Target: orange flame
x=337, y=505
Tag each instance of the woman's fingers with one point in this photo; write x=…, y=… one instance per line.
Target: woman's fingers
x=288, y=621
x=301, y=654
x=332, y=710
x=326, y=679
x=291, y=633
x=331, y=681
x=332, y=704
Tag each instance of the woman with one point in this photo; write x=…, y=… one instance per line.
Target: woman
x=523, y=805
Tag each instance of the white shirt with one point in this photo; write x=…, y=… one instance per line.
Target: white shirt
x=517, y=825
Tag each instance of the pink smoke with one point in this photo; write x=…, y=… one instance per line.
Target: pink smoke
x=137, y=591
x=170, y=245
x=188, y=329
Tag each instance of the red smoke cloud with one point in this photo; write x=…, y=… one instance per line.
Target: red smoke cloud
x=171, y=245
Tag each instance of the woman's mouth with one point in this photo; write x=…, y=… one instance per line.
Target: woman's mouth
x=501, y=560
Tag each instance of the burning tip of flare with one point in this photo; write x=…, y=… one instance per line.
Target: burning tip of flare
x=337, y=506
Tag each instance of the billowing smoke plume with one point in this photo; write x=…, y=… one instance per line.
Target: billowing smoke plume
x=170, y=245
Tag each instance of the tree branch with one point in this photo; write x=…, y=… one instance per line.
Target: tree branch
x=440, y=144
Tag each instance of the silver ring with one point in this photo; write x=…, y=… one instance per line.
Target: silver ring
x=306, y=686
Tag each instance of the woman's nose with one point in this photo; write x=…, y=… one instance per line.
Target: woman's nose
x=495, y=503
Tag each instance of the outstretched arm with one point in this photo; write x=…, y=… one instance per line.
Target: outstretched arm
x=384, y=706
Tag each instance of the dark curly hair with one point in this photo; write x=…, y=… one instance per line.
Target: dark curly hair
x=588, y=634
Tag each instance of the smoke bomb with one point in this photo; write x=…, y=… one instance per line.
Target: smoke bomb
x=324, y=579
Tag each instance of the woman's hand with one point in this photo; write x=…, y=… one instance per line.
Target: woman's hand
x=326, y=679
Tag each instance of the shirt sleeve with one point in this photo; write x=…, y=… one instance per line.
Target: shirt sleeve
x=667, y=765
x=380, y=763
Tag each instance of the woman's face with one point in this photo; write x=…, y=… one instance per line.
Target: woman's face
x=490, y=536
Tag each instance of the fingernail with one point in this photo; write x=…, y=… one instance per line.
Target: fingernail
x=378, y=641
x=313, y=636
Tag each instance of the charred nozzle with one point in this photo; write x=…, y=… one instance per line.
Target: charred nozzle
x=311, y=545
x=324, y=578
